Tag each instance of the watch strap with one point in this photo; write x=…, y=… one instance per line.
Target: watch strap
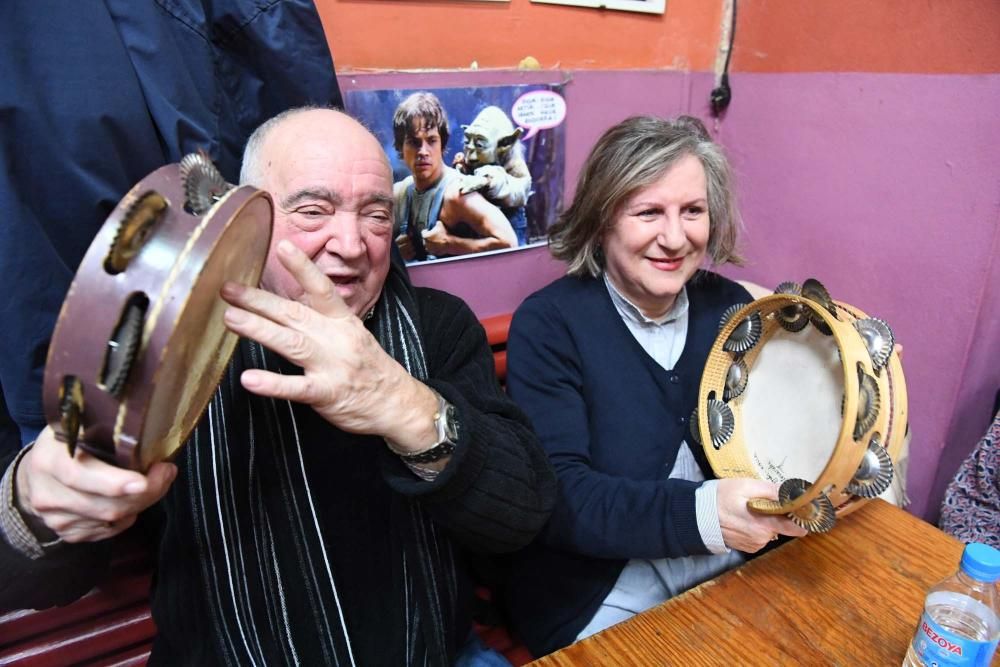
x=447, y=431
x=435, y=453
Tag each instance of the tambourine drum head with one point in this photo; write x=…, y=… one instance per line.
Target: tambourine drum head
x=791, y=405
x=197, y=355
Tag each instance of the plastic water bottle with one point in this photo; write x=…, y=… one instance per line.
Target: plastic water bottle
x=961, y=620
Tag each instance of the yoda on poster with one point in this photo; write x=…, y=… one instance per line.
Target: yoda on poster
x=476, y=169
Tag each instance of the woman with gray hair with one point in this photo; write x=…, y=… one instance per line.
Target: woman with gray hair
x=607, y=361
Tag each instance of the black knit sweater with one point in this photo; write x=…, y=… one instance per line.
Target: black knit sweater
x=310, y=545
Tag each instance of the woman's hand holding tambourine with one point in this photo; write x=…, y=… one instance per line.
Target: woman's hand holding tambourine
x=80, y=498
x=742, y=529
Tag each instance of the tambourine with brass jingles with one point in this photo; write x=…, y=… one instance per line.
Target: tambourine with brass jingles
x=139, y=345
x=806, y=392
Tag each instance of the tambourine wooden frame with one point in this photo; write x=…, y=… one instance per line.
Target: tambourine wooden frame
x=168, y=269
x=732, y=459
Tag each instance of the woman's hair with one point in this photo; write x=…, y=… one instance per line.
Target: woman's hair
x=630, y=156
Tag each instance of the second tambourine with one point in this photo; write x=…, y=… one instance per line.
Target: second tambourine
x=806, y=392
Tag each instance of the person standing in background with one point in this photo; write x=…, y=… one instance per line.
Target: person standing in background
x=96, y=95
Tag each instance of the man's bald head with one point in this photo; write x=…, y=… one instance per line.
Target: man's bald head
x=297, y=123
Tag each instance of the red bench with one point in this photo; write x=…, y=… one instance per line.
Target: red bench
x=112, y=624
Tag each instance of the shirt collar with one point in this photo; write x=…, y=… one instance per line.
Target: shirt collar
x=630, y=311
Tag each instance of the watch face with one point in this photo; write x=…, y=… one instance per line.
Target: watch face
x=451, y=423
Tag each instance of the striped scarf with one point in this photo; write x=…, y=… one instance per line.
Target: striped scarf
x=264, y=541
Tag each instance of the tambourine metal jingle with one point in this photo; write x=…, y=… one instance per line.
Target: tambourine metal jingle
x=798, y=415
x=139, y=341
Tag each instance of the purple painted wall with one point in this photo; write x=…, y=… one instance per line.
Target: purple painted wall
x=886, y=187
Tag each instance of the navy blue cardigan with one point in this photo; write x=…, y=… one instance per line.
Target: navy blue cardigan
x=611, y=420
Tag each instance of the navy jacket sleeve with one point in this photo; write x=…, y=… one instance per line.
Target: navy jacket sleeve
x=498, y=488
x=597, y=514
x=96, y=95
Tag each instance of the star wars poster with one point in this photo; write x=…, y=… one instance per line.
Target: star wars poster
x=476, y=170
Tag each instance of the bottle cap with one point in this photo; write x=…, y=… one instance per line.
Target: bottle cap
x=981, y=561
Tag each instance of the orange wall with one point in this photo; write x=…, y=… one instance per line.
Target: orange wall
x=918, y=36
x=422, y=34
x=926, y=36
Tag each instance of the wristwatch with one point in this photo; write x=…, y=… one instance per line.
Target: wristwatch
x=447, y=426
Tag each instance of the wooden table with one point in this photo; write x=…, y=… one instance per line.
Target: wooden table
x=849, y=597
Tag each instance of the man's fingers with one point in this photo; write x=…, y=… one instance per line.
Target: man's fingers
x=298, y=388
x=320, y=294
x=291, y=343
x=89, y=475
x=66, y=523
x=265, y=304
x=94, y=531
x=159, y=478
x=62, y=508
x=112, y=503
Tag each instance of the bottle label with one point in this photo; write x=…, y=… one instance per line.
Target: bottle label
x=939, y=647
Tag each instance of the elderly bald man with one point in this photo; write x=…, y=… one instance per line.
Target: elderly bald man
x=355, y=453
